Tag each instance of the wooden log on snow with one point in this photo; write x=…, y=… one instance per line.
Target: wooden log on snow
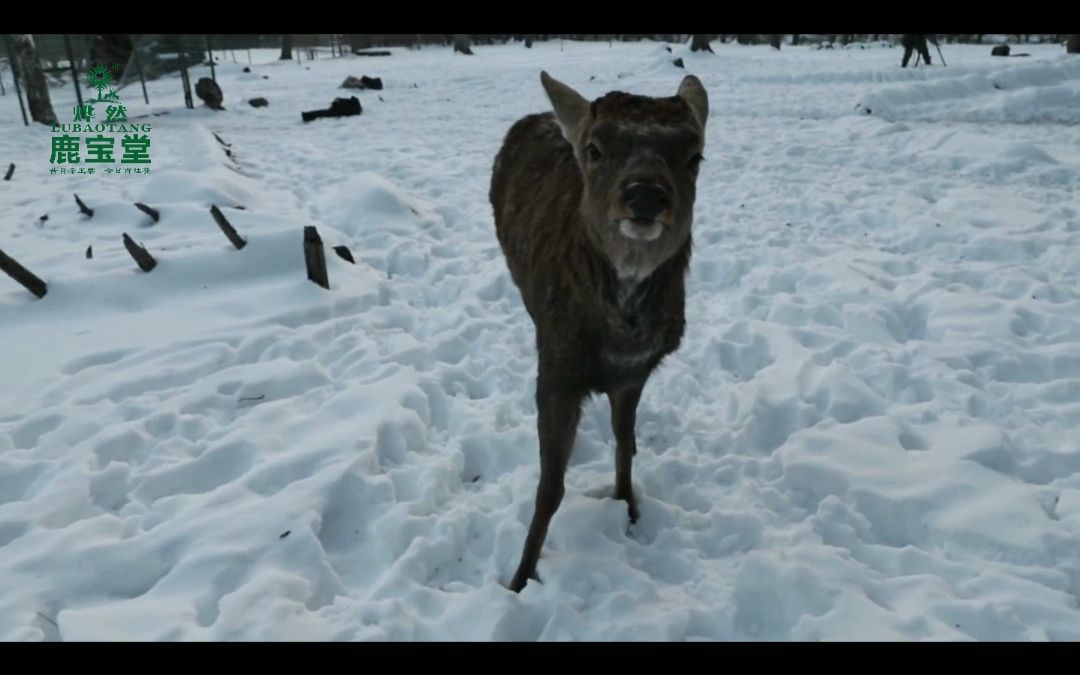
x=315, y=257
x=83, y=208
x=140, y=254
x=344, y=253
x=24, y=276
x=153, y=213
x=230, y=231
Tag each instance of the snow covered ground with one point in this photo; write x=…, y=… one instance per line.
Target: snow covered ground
x=871, y=432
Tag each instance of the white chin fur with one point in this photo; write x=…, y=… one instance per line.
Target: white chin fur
x=632, y=230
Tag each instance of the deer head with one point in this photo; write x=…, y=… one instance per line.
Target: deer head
x=639, y=159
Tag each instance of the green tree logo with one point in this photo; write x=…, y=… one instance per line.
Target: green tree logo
x=99, y=77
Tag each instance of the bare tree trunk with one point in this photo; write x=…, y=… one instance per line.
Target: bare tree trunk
x=37, y=89
x=286, y=46
x=110, y=49
x=700, y=43
x=461, y=44
x=1072, y=46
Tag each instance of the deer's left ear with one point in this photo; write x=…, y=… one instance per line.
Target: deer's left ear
x=693, y=92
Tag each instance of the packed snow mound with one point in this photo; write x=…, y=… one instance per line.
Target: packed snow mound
x=1028, y=93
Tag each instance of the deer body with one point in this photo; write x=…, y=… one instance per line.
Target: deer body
x=593, y=206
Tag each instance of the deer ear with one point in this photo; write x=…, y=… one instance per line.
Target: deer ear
x=571, y=108
x=692, y=91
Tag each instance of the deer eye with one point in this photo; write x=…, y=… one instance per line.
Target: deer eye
x=593, y=152
x=695, y=162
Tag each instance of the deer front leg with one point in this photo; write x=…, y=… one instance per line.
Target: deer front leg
x=558, y=413
x=624, y=403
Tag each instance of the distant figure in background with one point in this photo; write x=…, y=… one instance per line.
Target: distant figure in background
x=209, y=91
x=915, y=42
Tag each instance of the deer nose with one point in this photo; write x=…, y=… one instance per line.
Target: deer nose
x=645, y=200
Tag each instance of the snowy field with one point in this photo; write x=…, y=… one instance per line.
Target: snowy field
x=871, y=431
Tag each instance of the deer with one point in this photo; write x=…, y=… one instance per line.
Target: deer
x=593, y=206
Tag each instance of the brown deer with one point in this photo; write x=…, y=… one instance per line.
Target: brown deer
x=593, y=210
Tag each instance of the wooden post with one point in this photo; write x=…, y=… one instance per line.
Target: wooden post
x=315, y=257
x=22, y=275
x=142, y=78
x=10, y=171
x=230, y=231
x=185, y=79
x=185, y=82
x=89, y=252
x=140, y=254
x=210, y=51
